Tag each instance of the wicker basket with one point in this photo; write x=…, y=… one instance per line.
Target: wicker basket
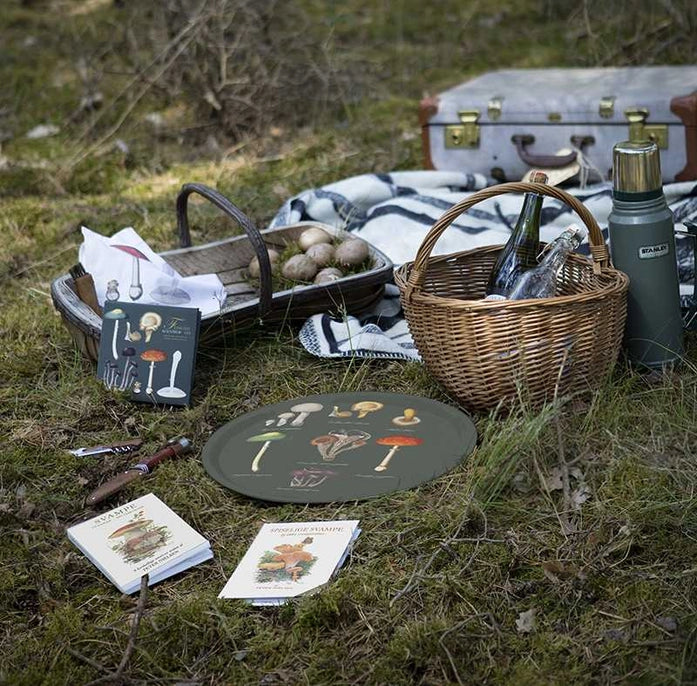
x=489, y=352
x=246, y=304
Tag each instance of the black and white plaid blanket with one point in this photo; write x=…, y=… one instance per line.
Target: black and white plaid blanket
x=395, y=211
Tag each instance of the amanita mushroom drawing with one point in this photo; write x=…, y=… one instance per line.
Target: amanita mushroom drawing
x=407, y=419
x=136, y=288
x=364, y=407
x=304, y=410
x=396, y=442
x=149, y=323
x=171, y=391
x=152, y=356
x=117, y=314
x=169, y=293
x=266, y=438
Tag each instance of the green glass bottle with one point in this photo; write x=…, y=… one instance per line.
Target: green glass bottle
x=522, y=249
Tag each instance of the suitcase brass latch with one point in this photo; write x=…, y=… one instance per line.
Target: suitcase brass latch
x=606, y=109
x=639, y=130
x=465, y=135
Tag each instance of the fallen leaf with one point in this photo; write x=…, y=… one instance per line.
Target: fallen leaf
x=579, y=496
x=554, y=481
x=616, y=635
x=526, y=621
x=667, y=623
x=43, y=131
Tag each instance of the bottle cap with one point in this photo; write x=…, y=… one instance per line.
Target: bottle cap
x=636, y=171
x=538, y=177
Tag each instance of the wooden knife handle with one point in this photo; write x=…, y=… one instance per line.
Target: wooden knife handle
x=84, y=287
x=114, y=485
x=179, y=447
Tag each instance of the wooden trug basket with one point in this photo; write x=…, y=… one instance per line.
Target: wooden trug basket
x=491, y=352
x=246, y=304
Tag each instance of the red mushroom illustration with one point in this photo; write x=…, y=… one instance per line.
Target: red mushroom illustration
x=152, y=356
x=396, y=442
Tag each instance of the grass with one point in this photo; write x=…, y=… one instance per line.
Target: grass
x=442, y=573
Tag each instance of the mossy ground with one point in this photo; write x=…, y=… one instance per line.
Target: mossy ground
x=440, y=574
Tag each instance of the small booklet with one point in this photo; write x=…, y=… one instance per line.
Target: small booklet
x=149, y=350
x=138, y=538
x=289, y=560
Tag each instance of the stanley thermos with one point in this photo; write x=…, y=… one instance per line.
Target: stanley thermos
x=642, y=244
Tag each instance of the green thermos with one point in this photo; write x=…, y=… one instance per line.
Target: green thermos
x=642, y=243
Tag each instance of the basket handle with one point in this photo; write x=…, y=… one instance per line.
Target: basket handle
x=598, y=248
x=222, y=203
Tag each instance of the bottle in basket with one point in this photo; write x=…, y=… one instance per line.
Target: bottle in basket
x=520, y=253
x=643, y=246
x=541, y=281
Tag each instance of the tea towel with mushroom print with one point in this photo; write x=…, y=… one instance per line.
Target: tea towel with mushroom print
x=125, y=268
x=395, y=211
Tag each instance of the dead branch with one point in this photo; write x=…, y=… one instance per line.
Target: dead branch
x=131, y=644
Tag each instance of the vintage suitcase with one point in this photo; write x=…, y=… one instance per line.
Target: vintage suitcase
x=505, y=122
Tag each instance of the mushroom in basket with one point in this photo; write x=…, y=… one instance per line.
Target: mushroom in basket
x=152, y=356
x=396, y=442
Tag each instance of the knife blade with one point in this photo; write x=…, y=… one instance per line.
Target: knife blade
x=129, y=446
x=137, y=471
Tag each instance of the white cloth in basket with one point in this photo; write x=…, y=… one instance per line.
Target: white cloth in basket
x=127, y=259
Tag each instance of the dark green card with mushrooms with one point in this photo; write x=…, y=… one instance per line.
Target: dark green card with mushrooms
x=149, y=351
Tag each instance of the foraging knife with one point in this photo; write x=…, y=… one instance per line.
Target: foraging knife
x=120, y=447
x=137, y=471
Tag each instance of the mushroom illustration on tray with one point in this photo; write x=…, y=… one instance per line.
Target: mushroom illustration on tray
x=171, y=391
x=267, y=439
x=336, y=442
x=310, y=478
x=135, y=290
x=304, y=410
x=365, y=407
x=336, y=412
x=149, y=323
x=409, y=418
x=283, y=418
x=115, y=315
x=152, y=356
x=395, y=442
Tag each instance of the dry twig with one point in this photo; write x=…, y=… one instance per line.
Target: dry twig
x=131, y=644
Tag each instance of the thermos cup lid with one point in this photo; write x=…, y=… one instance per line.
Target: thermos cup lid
x=636, y=170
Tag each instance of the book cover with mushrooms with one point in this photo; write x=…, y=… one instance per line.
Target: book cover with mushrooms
x=141, y=537
x=287, y=560
x=149, y=351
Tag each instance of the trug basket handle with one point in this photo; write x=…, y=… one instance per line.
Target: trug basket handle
x=598, y=249
x=255, y=238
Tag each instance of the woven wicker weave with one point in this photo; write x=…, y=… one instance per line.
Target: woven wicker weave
x=490, y=352
x=246, y=303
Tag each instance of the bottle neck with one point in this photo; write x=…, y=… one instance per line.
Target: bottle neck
x=560, y=249
x=529, y=220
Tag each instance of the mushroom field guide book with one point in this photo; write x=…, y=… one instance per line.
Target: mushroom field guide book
x=290, y=560
x=138, y=538
x=149, y=351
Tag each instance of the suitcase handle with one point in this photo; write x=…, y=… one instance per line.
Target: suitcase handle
x=549, y=161
x=255, y=238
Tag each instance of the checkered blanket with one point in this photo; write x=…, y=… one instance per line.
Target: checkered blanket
x=395, y=211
